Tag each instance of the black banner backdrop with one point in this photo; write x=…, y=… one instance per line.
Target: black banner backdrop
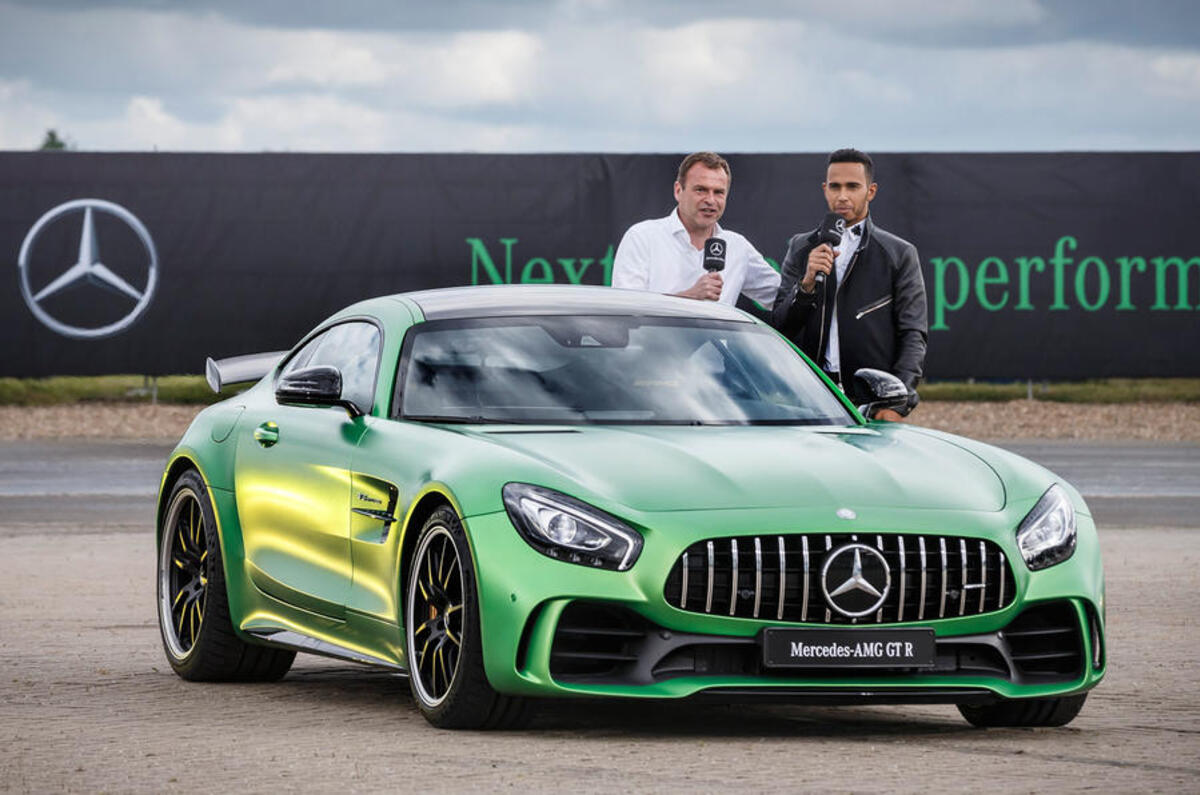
x=1036, y=265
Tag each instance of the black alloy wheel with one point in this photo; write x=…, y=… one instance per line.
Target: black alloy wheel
x=185, y=550
x=193, y=607
x=444, y=648
x=436, y=609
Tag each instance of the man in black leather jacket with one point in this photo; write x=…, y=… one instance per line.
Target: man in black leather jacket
x=870, y=311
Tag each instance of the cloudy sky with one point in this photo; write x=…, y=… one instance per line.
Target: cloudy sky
x=600, y=75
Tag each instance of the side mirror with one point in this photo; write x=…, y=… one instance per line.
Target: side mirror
x=314, y=386
x=886, y=390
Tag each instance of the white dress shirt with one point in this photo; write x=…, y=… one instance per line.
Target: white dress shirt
x=850, y=240
x=658, y=256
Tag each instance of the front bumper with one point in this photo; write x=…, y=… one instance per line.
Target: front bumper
x=533, y=608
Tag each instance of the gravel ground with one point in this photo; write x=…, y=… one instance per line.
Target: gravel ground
x=1019, y=419
x=88, y=704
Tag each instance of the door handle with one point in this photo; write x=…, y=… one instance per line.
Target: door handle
x=267, y=434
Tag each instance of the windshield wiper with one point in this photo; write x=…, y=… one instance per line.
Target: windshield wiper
x=458, y=419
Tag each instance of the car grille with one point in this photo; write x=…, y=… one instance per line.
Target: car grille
x=778, y=577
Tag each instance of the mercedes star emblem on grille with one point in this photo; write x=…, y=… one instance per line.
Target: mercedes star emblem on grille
x=855, y=580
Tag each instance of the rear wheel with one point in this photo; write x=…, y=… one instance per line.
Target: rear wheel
x=193, y=609
x=444, y=645
x=1028, y=712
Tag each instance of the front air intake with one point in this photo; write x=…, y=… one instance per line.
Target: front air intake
x=1045, y=642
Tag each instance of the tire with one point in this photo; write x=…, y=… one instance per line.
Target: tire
x=193, y=605
x=1030, y=712
x=442, y=637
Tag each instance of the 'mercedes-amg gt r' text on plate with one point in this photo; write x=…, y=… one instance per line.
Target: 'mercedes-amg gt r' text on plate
x=516, y=492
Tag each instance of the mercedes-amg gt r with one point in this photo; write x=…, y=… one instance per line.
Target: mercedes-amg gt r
x=523, y=492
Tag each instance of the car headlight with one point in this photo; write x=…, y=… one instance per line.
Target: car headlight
x=1047, y=534
x=566, y=529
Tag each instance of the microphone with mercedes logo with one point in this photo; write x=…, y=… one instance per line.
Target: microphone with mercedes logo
x=830, y=231
x=714, y=254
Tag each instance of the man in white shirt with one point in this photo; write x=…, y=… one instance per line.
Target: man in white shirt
x=666, y=255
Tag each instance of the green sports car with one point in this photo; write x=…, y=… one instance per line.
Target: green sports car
x=519, y=492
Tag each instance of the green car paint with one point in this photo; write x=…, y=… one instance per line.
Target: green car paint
x=318, y=513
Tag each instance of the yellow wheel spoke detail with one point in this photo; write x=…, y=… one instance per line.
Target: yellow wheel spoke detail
x=424, y=651
x=203, y=555
x=453, y=639
x=421, y=585
x=445, y=666
x=420, y=629
x=195, y=524
x=182, y=540
x=178, y=596
x=453, y=609
x=178, y=563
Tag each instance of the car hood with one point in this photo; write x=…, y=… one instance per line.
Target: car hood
x=656, y=468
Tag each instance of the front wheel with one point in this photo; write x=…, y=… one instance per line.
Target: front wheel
x=193, y=609
x=1030, y=712
x=444, y=645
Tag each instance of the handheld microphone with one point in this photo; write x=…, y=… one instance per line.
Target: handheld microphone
x=830, y=231
x=714, y=254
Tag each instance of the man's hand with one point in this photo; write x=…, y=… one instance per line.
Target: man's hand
x=707, y=287
x=887, y=415
x=820, y=260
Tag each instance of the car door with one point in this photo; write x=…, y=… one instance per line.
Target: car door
x=293, y=483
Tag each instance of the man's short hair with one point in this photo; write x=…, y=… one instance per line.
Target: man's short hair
x=708, y=160
x=851, y=155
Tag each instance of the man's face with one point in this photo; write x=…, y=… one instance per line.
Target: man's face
x=702, y=197
x=847, y=191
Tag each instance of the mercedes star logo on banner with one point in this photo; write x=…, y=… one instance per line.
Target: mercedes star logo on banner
x=89, y=268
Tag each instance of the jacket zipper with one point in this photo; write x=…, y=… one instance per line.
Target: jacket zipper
x=821, y=338
x=869, y=308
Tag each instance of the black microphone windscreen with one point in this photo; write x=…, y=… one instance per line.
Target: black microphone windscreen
x=714, y=254
x=832, y=229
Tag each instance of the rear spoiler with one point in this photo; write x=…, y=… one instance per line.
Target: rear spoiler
x=239, y=369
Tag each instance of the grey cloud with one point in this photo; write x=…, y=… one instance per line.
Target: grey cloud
x=935, y=23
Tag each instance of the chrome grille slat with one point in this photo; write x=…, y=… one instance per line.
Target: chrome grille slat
x=804, y=605
x=879, y=612
x=802, y=556
x=683, y=590
x=757, y=574
x=983, y=574
x=921, y=610
x=945, y=574
x=708, y=601
x=782, y=578
x=734, y=579
x=828, y=547
x=962, y=556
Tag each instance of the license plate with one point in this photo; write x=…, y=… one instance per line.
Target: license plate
x=847, y=648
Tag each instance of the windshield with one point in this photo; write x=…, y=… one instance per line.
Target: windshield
x=608, y=370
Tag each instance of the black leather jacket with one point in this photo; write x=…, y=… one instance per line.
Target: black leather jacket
x=880, y=305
